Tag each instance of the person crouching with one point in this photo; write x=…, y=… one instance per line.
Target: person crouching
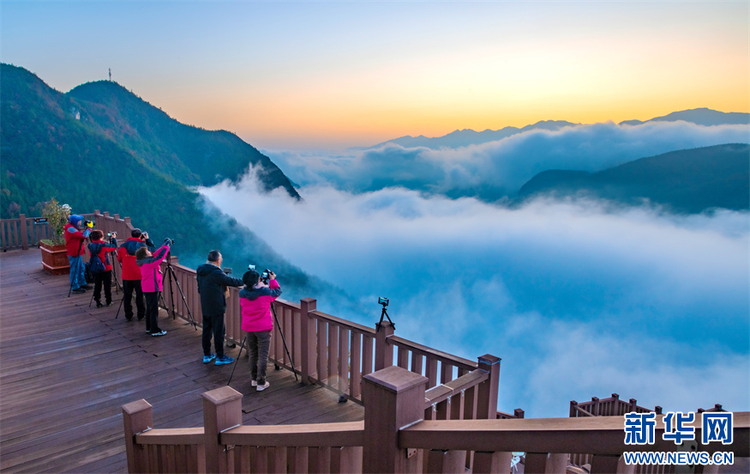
x=151, y=284
x=255, y=304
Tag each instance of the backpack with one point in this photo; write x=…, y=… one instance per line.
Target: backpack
x=95, y=264
x=87, y=273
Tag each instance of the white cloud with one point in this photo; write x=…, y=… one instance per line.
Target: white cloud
x=502, y=167
x=549, y=287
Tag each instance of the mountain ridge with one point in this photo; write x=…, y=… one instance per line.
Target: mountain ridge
x=466, y=137
x=183, y=151
x=50, y=150
x=684, y=181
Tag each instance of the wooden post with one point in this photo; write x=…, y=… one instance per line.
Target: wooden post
x=307, y=305
x=487, y=402
x=557, y=462
x=536, y=463
x=137, y=417
x=492, y=463
x=603, y=464
x=383, y=350
x=393, y=398
x=24, y=233
x=440, y=461
x=222, y=409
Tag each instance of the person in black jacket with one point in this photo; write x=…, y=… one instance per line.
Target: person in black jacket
x=212, y=286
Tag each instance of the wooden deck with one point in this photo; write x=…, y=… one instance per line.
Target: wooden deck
x=66, y=369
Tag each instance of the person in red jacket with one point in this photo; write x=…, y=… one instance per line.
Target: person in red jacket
x=151, y=280
x=255, y=305
x=131, y=272
x=74, y=237
x=100, y=249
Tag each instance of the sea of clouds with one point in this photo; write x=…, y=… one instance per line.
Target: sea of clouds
x=504, y=165
x=578, y=298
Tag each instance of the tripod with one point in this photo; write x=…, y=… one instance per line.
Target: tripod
x=173, y=277
x=114, y=273
x=283, y=340
x=80, y=245
x=384, y=314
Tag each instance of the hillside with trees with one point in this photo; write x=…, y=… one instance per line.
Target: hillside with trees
x=684, y=181
x=60, y=145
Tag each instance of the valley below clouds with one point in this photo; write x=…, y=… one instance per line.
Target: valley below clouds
x=577, y=297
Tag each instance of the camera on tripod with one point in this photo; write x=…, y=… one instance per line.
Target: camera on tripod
x=169, y=241
x=383, y=301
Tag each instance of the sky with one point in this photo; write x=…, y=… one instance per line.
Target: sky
x=330, y=75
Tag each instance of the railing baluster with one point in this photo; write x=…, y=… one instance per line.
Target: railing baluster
x=355, y=388
x=322, y=351
x=344, y=356
x=333, y=349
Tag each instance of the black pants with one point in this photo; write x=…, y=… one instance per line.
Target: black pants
x=257, y=347
x=213, y=325
x=152, y=311
x=103, y=279
x=128, y=286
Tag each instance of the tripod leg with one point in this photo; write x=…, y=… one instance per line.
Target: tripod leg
x=283, y=340
x=120, y=307
x=182, y=294
x=237, y=360
x=92, y=299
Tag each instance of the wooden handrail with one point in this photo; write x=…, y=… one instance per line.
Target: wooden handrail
x=318, y=434
x=459, y=362
x=445, y=391
x=343, y=322
x=171, y=436
x=598, y=435
x=581, y=410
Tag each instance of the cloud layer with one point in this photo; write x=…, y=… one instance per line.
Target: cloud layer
x=579, y=300
x=495, y=169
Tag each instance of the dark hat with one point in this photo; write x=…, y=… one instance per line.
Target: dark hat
x=250, y=278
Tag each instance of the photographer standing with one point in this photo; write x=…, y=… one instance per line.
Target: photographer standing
x=255, y=301
x=151, y=280
x=74, y=237
x=131, y=272
x=212, y=286
x=99, y=248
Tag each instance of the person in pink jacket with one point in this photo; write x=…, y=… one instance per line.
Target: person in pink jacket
x=151, y=280
x=255, y=305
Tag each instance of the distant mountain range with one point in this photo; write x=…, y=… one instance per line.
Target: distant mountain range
x=702, y=116
x=101, y=147
x=688, y=181
x=467, y=137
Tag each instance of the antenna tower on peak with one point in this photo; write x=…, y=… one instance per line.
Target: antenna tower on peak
x=110, y=74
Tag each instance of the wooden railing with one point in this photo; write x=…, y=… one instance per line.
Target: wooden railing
x=611, y=406
x=394, y=437
x=327, y=350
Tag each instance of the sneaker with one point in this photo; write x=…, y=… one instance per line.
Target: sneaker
x=109, y=303
x=260, y=388
x=223, y=360
x=208, y=358
x=159, y=333
x=99, y=305
x=254, y=383
x=79, y=290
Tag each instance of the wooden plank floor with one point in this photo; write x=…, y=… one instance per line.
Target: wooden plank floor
x=66, y=369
